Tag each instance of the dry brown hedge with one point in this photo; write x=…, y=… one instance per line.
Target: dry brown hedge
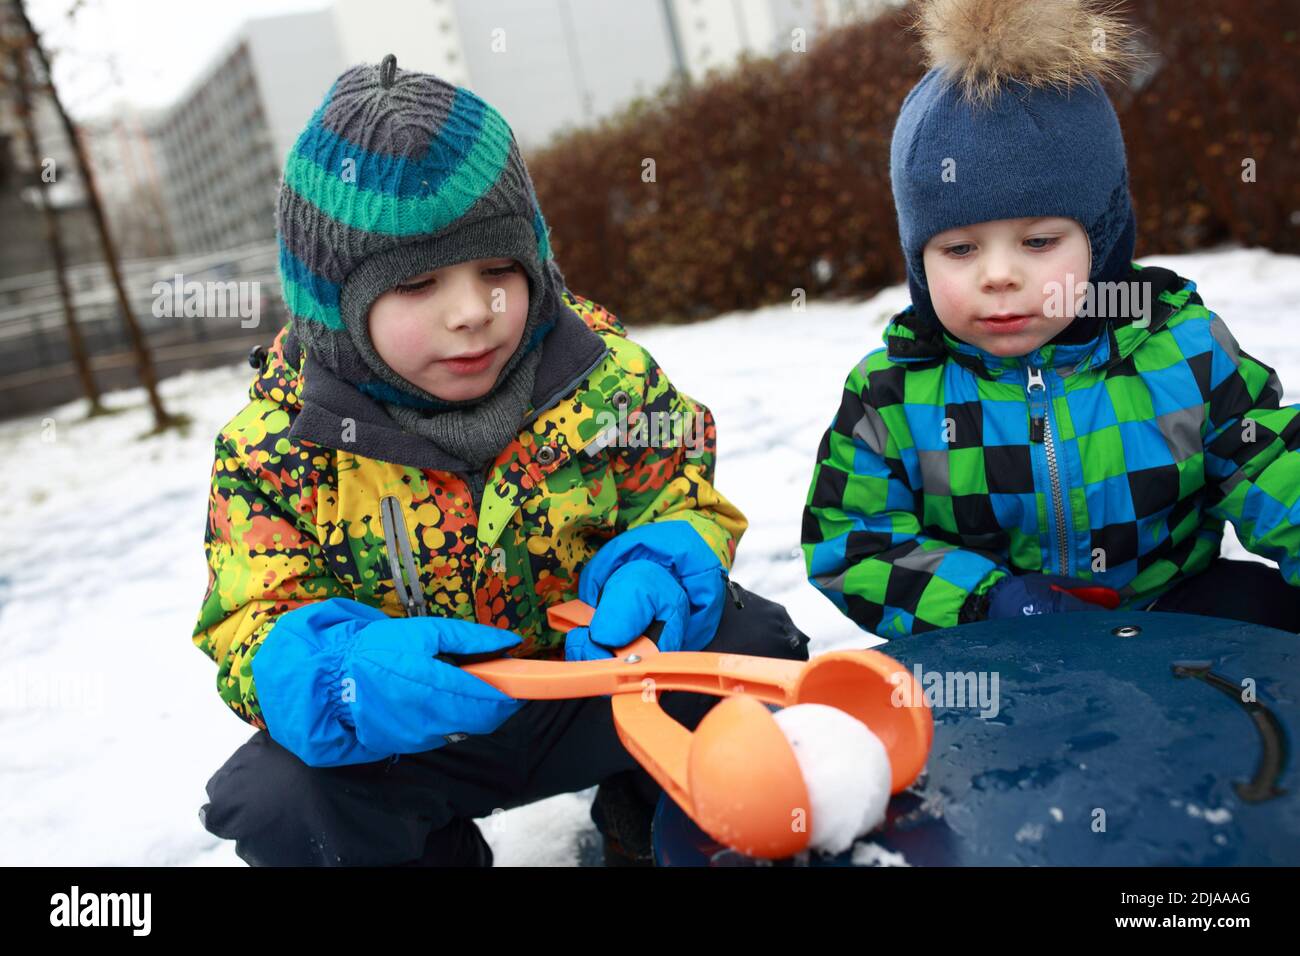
x=776, y=176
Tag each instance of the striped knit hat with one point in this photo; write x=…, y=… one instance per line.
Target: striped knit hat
x=399, y=173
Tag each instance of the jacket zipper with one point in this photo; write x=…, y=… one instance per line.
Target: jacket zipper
x=398, y=541
x=477, y=482
x=1040, y=431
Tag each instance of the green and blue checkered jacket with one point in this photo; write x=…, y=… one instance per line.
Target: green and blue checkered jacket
x=1116, y=460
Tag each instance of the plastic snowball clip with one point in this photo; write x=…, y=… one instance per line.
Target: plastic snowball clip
x=736, y=776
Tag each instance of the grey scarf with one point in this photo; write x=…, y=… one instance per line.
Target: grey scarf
x=477, y=431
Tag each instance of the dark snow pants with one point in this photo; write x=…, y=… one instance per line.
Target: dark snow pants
x=1239, y=590
x=419, y=809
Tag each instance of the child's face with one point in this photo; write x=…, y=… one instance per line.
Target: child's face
x=451, y=330
x=1007, y=267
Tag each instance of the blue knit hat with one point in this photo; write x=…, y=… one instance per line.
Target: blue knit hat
x=398, y=173
x=1011, y=121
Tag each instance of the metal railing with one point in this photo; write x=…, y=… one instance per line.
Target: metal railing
x=36, y=368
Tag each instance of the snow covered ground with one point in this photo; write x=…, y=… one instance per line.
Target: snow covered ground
x=109, y=721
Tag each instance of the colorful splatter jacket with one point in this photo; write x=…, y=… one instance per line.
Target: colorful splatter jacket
x=1116, y=460
x=317, y=494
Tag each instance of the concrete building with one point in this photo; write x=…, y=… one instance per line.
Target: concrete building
x=424, y=35
x=123, y=161
x=222, y=145
x=548, y=64
x=545, y=64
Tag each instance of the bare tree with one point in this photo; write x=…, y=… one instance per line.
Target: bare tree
x=144, y=362
x=77, y=347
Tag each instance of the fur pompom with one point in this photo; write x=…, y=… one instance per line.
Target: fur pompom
x=982, y=45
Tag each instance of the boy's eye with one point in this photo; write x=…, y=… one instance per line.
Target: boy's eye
x=406, y=288
x=955, y=251
x=1048, y=241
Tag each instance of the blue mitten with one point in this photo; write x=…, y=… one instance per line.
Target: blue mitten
x=635, y=595
x=340, y=682
x=1027, y=594
x=663, y=571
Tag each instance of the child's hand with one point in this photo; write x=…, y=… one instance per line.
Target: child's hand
x=340, y=682
x=636, y=595
x=662, y=571
x=1047, y=594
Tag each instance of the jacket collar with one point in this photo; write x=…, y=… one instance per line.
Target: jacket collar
x=910, y=341
x=336, y=415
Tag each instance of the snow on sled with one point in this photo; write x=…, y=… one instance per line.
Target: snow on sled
x=1108, y=738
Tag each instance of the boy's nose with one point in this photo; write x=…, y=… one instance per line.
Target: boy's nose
x=999, y=276
x=1001, y=283
x=468, y=307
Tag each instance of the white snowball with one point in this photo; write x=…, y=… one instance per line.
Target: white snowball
x=845, y=768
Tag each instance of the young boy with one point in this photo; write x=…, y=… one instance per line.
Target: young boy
x=1027, y=442
x=427, y=463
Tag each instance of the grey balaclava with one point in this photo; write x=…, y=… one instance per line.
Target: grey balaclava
x=398, y=173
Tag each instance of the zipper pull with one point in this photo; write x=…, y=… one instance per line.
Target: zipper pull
x=1037, y=390
x=401, y=562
